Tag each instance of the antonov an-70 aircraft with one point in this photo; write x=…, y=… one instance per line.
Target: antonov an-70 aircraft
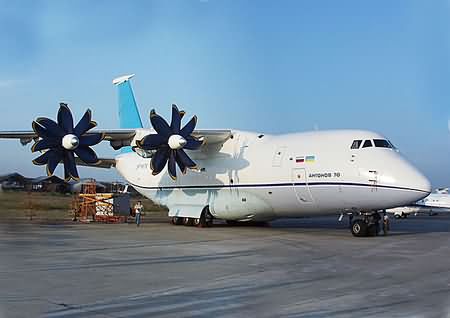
x=236, y=175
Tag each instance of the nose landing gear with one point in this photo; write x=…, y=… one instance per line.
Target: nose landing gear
x=368, y=224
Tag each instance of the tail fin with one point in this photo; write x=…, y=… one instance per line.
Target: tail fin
x=128, y=112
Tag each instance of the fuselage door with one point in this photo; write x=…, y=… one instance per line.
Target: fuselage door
x=300, y=184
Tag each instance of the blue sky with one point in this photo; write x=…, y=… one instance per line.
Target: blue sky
x=272, y=66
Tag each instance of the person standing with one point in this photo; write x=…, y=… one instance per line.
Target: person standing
x=385, y=223
x=138, y=208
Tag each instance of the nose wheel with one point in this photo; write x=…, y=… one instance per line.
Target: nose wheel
x=367, y=224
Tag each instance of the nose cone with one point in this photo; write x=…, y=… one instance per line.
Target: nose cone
x=402, y=175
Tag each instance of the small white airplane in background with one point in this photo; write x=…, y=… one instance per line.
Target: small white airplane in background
x=437, y=202
x=233, y=175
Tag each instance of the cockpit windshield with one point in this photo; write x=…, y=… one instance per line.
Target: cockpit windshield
x=378, y=143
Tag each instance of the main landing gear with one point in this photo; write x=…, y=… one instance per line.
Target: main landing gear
x=368, y=224
x=205, y=220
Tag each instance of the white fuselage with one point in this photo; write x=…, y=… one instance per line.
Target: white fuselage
x=254, y=177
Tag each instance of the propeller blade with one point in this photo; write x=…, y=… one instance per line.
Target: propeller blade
x=159, y=124
x=43, y=159
x=91, y=139
x=46, y=143
x=159, y=160
x=192, y=143
x=70, y=166
x=51, y=126
x=53, y=160
x=84, y=124
x=171, y=167
x=189, y=128
x=152, y=142
x=87, y=155
x=175, y=125
x=65, y=119
x=184, y=158
x=40, y=130
x=180, y=163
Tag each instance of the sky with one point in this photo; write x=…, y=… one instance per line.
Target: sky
x=267, y=66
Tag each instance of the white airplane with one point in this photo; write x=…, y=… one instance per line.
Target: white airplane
x=436, y=202
x=236, y=175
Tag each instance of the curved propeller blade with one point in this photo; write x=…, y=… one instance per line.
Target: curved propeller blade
x=152, y=142
x=70, y=167
x=91, y=139
x=175, y=124
x=184, y=158
x=42, y=159
x=87, y=155
x=180, y=163
x=46, y=143
x=40, y=130
x=159, y=124
x=51, y=126
x=189, y=127
x=159, y=160
x=84, y=124
x=171, y=167
x=54, y=159
x=65, y=119
x=192, y=143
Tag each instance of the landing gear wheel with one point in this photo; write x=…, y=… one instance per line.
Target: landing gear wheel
x=188, y=221
x=373, y=229
x=176, y=220
x=359, y=228
x=205, y=219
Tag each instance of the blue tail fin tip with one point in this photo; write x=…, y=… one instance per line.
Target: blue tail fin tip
x=129, y=117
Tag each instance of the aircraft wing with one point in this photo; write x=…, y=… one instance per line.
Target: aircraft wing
x=213, y=136
x=123, y=137
x=26, y=137
x=105, y=163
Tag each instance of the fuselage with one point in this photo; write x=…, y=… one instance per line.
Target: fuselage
x=263, y=177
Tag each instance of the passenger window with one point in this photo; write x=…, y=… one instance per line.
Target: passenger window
x=367, y=143
x=381, y=143
x=356, y=144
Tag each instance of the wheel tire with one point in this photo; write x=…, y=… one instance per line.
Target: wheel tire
x=197, y=222
x=359, y=228
x=188, y=221
x=176, y=220
x=373, y=230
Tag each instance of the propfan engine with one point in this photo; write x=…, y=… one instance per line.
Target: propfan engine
x=169, y=142
x=60, y=141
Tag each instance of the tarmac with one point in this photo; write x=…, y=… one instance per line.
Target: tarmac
x=293, y=268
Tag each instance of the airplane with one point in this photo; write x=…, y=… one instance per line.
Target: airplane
x=232, y=175
x=435, y=203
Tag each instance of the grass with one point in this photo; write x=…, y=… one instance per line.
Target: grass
x=18, y=205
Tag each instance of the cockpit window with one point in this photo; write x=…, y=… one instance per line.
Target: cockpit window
x=392, y=145
x=381, y=143
x=367, y=143
x=356, y=144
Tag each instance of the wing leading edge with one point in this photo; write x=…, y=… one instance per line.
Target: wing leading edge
x=124, y=137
